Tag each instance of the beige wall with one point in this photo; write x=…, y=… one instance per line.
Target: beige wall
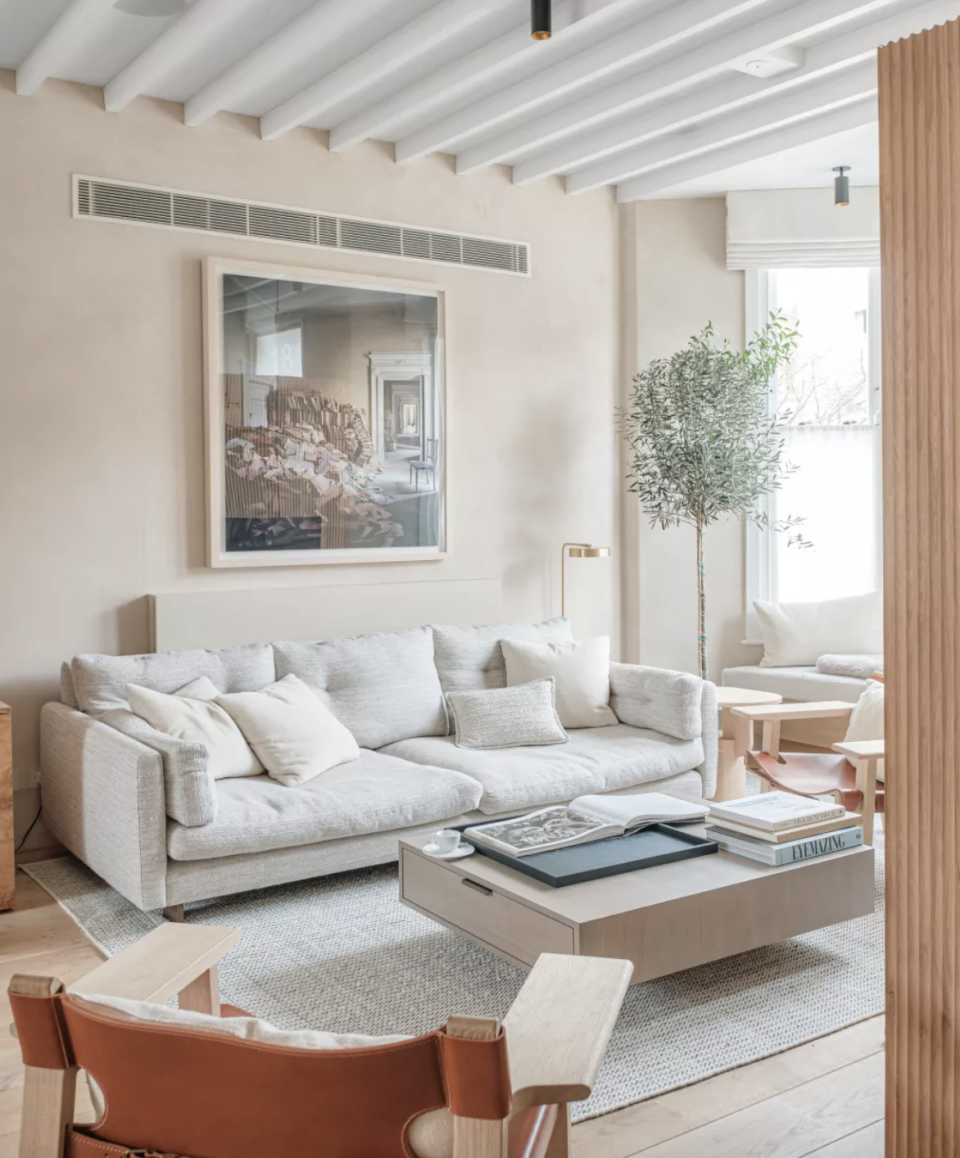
x=675, y=279
x=101, y=391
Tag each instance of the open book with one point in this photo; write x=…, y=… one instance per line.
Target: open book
x=585, y=819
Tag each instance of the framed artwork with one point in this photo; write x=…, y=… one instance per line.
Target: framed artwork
x=324, y=417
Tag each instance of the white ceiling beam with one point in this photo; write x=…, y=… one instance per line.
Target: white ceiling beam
x=440, y=23
x=809, y=18
x=57, y=42
x=203, y=21
x=778, y=140
x=588, y=146
x=793, y=105
x=296, y=42
x=468, y=72
x=667, y=27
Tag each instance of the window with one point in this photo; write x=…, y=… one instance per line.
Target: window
x=828, y=404
x=281, y=354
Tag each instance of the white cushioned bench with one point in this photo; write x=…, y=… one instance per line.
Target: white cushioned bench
x=803, y=684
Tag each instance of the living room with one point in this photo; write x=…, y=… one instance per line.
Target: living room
x=427, y=414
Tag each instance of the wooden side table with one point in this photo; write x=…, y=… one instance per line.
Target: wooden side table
x=736, y=738
x=7, y=869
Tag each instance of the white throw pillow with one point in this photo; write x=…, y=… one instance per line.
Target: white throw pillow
x=797, y=634
x=866, y=719
x=294, y=735
x=580, y=670
x=191, y=714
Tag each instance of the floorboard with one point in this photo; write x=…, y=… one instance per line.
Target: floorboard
x=824, y=1098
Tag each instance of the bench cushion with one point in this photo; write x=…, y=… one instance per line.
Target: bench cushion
x=593, y=760
x=375, y=793
x=382, y=687
x=804, y=684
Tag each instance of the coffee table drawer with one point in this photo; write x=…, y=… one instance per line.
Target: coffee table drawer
x=482, y=912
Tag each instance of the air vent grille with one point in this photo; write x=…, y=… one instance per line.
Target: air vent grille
x=117, y=201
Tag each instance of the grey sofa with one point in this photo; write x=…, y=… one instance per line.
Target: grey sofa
x=142, y=810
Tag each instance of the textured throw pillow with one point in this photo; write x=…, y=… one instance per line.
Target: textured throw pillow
x=192, y=715
x=293, y=734
x=797, y=634
x=517, y=717
x=580, y=670
x=866, y=719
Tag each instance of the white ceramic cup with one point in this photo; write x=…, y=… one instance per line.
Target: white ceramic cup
x=447, y=840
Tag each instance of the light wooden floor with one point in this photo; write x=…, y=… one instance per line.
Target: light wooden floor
x=823, y=1099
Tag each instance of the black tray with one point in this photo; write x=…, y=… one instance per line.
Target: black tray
x=658, y=844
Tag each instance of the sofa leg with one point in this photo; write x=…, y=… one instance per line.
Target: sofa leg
x=173, y=913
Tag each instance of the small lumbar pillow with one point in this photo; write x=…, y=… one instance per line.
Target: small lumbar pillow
x=294, y=735
x=866, y=719
x=191, y=714
x=797, y=634
x=581, y=672
x=517, y=717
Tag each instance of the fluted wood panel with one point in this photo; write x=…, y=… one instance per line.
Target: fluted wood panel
x=920, y=247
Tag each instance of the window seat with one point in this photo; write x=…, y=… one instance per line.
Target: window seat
x=803, y=684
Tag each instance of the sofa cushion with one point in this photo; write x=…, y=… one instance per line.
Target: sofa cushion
x=382, y=687
x=470, y=658
x=100, y=681
x=375, y=793
x=594, y=760
x=652, y=697
x=580, y=669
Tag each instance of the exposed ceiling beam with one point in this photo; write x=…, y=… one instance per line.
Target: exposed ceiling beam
x=196, y=27
x=672, y=76
x=468, y=72
x=57, y=42
x=769, y=144
x=667, y=27
x=440, y=23
x=294, y=43
x=580, y=149
x=793, y=105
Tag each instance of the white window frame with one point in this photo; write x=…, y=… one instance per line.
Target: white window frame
x=758, y=542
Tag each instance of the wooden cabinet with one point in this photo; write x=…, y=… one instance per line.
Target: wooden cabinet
x=6, y=809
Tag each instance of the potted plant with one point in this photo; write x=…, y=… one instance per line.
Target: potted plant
x=703, y=441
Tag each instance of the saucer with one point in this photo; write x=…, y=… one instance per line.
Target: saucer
x=458, y=853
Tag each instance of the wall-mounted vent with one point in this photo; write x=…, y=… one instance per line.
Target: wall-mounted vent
x=170, y=208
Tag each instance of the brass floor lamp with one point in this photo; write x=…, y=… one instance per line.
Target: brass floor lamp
x=576, y=551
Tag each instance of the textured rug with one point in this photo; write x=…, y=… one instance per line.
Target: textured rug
x=342, y=954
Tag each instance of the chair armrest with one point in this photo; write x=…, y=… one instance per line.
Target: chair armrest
x=161, y=964
x=772, y=713
x=861, y=749
x=559, y=1027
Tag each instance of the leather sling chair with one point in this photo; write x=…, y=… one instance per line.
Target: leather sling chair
x=184, y=1091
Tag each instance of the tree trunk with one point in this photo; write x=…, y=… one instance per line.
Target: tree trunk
x=701, y=606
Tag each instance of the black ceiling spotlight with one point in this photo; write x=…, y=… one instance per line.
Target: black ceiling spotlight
x=841, y=185
x=541, y=25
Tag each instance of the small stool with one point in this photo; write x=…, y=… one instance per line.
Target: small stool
x=736, y=737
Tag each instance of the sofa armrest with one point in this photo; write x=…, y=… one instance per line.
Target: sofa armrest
x=103, y=797
x=190, y=790
x=559, y=1027
x=651, y=697
x=710, y=735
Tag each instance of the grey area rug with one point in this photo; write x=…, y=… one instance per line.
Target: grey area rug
x=342, y=954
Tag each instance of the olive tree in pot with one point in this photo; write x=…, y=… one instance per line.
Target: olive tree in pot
x=703, y=442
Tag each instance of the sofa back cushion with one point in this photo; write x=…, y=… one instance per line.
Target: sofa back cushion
x=384, y=688
x=470, y=658
x=100, y=681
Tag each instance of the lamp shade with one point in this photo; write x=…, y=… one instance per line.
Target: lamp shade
x=841, y=186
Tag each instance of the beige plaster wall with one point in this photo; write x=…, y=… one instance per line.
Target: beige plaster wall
x=101, y=387
x=675, y=280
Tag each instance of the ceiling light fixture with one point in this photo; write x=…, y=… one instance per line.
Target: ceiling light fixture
x=541, y=24
x=150, y=7
x=841, y=185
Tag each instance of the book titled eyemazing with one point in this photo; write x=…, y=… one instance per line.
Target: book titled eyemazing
x=790, y=852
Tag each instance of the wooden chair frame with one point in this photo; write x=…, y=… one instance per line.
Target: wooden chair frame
x=557, y=1031
x=864, y=755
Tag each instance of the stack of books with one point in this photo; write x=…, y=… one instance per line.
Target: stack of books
x=780, y=828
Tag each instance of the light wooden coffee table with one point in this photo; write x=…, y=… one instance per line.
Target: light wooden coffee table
x=663, y=919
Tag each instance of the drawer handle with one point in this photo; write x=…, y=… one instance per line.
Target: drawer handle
x=473, y=885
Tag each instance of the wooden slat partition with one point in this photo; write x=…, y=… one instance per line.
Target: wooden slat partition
x=920, y=246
